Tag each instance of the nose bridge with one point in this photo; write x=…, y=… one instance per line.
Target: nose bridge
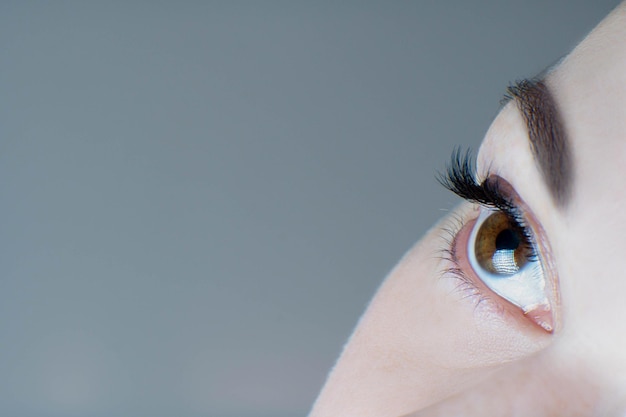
x=604, y=360
x=590, y=254
x=583, y=372
x=591, y=346
x=593, y=327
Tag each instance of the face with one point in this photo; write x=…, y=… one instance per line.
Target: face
x=514, y=304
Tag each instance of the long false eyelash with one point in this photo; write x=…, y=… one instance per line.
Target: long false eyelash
x=460, y=178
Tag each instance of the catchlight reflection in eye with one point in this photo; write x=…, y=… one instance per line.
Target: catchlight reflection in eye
x=502, y=256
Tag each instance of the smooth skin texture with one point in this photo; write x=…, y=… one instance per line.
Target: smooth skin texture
x=423, y=348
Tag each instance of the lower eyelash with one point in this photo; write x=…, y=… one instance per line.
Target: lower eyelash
x=466, y=287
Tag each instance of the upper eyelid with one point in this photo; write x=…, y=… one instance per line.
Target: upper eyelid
x=493, y=191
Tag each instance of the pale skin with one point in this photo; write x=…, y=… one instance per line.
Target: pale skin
x=423, y=349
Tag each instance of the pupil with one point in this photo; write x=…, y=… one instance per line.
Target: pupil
x=507, y=240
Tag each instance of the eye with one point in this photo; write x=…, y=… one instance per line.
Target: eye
x=502, y=254
x=499, y=249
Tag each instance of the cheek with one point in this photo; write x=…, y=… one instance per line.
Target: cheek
x=533, y=387
x=420, y=340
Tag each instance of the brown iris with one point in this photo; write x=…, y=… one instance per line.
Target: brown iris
x=500, y=246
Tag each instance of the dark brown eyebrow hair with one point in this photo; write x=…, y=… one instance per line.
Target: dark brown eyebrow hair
x=546, y=132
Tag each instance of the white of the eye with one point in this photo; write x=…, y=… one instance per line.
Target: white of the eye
x=524, y=287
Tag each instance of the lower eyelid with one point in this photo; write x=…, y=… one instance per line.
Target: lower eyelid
x=469, y=286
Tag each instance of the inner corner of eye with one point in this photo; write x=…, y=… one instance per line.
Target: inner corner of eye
x=501, y=256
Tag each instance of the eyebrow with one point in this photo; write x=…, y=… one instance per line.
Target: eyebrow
x=547, y=136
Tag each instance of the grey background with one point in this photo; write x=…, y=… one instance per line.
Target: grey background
x=198, y=199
